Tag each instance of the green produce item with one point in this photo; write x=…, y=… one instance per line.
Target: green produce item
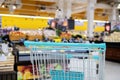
x=58, y=67
x=20, y=76
x=58, y=32
x=42, y=69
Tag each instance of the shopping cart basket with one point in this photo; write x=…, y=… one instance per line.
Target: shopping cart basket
x=67, y=61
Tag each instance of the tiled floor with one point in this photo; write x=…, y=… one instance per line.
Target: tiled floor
x=112, y=71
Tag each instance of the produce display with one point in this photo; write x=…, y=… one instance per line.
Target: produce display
x=26, y=72
x=34, y=34
x=113, y=37
x=25, y=34
x=65, y=35
x=46, y=35
x=57, y=31
x=51, y=34
x=16, y=35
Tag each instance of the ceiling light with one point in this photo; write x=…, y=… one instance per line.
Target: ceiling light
x=118, y=6
x=3, y=6
x=14, y=7
x=26, y=16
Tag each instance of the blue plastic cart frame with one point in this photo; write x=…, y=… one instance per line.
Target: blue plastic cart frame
x=38, y=47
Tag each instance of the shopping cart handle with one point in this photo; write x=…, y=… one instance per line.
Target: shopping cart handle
x=51, y=44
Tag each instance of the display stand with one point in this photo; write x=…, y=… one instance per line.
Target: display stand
x=8, y=75
x=113, y=51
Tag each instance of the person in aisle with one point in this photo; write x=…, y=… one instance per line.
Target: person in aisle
x=6, y=38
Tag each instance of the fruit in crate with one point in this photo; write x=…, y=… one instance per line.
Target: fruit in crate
x=20, y=76
x=113, y=37
x=34, y=34
x=21, y=68
x=65, y=35
x=51, y=34
x=57, y=39
x=27, y=74
x=16, y=35
x=58, y=67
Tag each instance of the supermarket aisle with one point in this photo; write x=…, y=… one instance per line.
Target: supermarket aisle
x=112, y=71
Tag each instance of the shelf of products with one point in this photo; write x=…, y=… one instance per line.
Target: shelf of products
x=22, y=62
x=113, y=37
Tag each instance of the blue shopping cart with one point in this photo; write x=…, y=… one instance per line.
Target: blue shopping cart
x=67, y=61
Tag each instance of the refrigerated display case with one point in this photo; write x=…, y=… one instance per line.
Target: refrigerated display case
x=23, y=65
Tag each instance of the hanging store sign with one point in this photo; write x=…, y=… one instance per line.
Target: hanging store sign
x=108, y=27
x=100, y=24
x=79, y=23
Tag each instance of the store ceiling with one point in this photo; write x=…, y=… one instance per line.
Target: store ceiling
x=48, y=7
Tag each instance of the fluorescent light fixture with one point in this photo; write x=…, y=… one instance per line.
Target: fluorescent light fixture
x=25, y=16
x=94, y=20
x=3, y=6
x=45, y=17
x=14, y=7
x=81, y=20
x=118, y=6
x=100, y=21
